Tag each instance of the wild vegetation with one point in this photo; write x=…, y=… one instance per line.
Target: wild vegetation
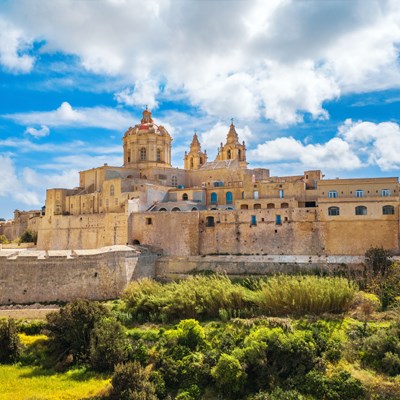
x=207, y=337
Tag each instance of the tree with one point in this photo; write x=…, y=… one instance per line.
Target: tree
x=10, y=346
x=71, y=328
x=28, y=237
x=131, y=382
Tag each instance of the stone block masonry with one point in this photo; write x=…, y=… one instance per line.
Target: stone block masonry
x=29, y=276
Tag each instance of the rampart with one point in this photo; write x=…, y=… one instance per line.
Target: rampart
x=29, y=276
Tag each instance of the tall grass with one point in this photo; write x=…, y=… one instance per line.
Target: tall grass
x=299, y=295
x=217, y=296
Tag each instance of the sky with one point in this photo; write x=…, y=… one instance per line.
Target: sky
x=311, y=84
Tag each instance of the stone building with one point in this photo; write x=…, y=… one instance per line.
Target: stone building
x=217, y=207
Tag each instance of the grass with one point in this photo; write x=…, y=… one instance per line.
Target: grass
x=33, y=383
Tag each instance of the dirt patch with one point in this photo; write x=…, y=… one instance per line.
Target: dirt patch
x=27, y=313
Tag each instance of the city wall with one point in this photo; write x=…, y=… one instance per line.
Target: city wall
x=300, y=231
x=47, y=276
x=86, y=231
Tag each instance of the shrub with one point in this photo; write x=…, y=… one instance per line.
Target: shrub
x=279, y=394
x=31, y=327
x=299, y=295
x=10, y=346
x=3, y=239
x=190, y=333
x=108, y=345
x=70, y=328
x=130, y=381
x=28, y=237
x=229, y=375
x=340, y=385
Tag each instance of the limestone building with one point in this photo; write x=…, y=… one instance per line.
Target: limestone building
x=217, y=207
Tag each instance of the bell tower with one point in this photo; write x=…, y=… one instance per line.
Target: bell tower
x=195, y=158
x=233, y=150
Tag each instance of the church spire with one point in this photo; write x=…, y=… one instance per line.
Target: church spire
x=195, y=145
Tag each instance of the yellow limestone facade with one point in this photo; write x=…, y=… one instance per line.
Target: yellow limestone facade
x=219, y=207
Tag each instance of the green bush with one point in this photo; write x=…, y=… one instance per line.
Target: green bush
x=10, y=346
x=381, y=351
x=108, y=345
x=339, y=386
x=279, y=394
x=299, y=295
x=28, y=237
x=31, y=327
x=131, y=381
x=70, y=328
x=3, y=239
x=229, y=375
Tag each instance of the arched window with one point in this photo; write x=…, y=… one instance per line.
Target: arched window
x=239, y=154
x=361, y=210
x=228, y=208
x=162, y=209
x=185, y=197
x=135, y=241
x=229, y=154
x=244, y=207
x=195, y=209
x=174, y=181
x=201, y=160
x=270, y=205
x=388, y=210
x=176, y=209
x=284, y=205
x=112, y=190
x=214, y=197
x=257, y=206
x=158, y=154
x=143, y=153
x=191, y=162
x=333, y=211
x=210, y=221
x=228, y=198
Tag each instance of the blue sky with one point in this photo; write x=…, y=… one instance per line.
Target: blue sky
x=310, y=85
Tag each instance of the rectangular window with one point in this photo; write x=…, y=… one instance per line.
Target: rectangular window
x=255, y=194
x=148, y=221
x=253, y=220
x=360, y=193
x=281, y=194
x=278, y=220
x=332, y=194
x=385, y=192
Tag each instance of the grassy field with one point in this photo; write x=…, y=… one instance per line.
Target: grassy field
x=32, y=383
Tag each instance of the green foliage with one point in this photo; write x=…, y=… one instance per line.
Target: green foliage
x=299, y=295
x=10, y=346
x=340, y=386
x=131, y=381
x=279, y=394
x=381, y=351
x=190, y=333
x=377, y=261
x=108, y=345
x=28, y=237
x=31, y=327
x=70, y=329
x=3, y=239
x=229, y=375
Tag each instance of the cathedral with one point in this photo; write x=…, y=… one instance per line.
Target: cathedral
x=217, y=206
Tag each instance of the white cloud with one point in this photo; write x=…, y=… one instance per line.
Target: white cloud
x=66, y=115
x=13, y=47
x=37, y=133
x=11, y=187
x=276, y=59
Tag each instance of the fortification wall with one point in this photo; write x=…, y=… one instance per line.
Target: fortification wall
x=40, y=276
x=177, y=267
x=86, y=231
x=298, y=231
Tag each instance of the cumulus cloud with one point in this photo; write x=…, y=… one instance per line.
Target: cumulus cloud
x=38, y=133
x=357, y=144
x=250, y=59
x=66, y=115
x=14, y=45
x=218, y=133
